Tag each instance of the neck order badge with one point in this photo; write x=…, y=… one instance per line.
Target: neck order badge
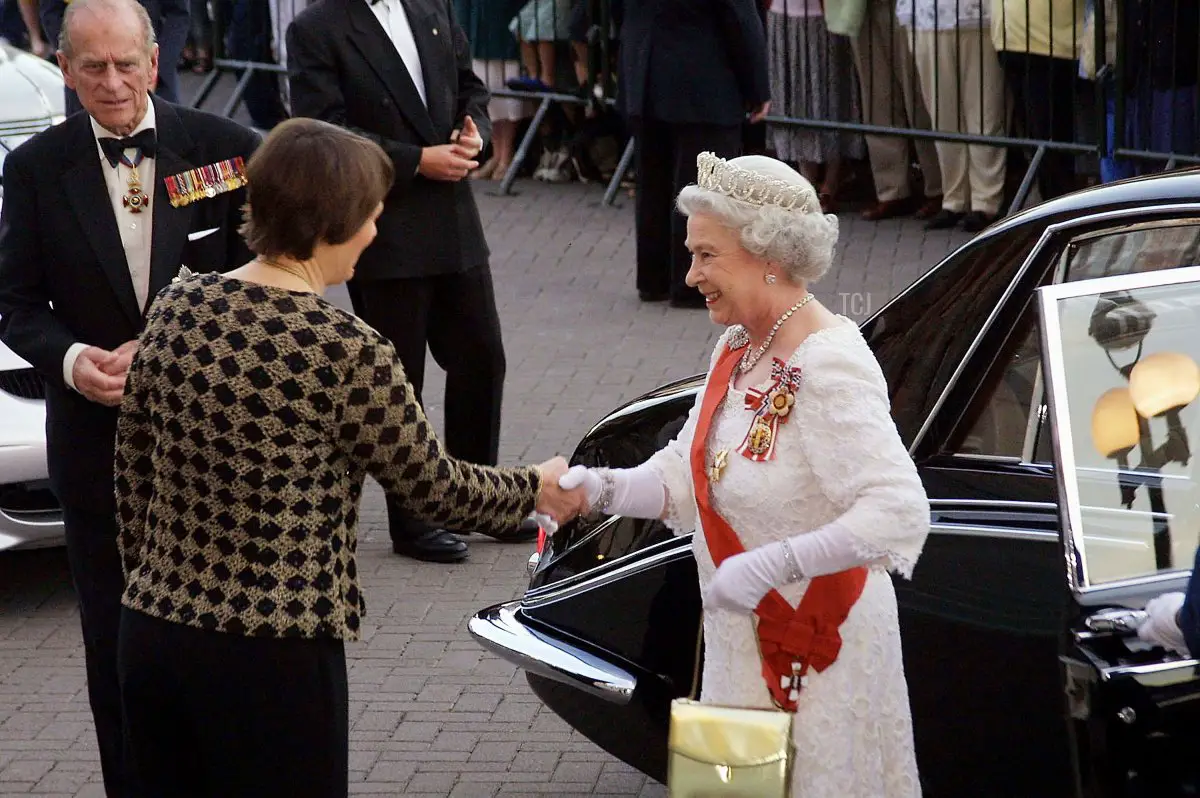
x=135, y=199
x=143, y=145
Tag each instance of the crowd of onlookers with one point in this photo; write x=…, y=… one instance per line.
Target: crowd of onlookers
x=1031, y=69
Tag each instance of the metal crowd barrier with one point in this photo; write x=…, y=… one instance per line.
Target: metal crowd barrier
x=907, y=66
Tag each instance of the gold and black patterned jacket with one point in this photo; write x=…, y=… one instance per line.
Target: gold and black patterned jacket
x=252, y=416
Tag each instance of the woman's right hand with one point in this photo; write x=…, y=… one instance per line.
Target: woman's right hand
x=558, y=503
x=583, y=478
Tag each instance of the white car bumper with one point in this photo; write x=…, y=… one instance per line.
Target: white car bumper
x=29, y=514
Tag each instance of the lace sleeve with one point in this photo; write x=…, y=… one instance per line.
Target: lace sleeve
x=672, y=464
x=856, y=454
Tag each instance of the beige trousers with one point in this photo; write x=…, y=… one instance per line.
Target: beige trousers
x=964, y=88
x=891, y=96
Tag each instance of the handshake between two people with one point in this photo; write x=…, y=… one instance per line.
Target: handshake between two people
x=636, y=492
x=452, y=162
x=561, y=499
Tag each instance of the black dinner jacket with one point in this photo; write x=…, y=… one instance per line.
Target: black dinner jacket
x=64, y=277
x=691, y=62
x=342, y=68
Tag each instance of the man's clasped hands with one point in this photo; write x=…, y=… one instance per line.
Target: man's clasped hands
x=99, y=374
x=454, y=161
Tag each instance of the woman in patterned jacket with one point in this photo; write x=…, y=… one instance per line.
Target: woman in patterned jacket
x=254, y=410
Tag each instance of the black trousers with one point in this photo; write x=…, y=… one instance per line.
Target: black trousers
x=96, y=574
x=454, y=315
x=1045, y=92
x=215, y=715
x=666, y=163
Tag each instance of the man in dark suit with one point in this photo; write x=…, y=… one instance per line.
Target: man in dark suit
x=88, y=236
x=399, y=72
x=691, y=71
x=170, y=19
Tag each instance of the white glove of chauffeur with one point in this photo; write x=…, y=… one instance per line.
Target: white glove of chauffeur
x=1161, y=627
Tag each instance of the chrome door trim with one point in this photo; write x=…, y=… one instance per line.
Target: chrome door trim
x=618, y=569
x=1002, y=504
x=997, y=532
x=1157, y=674
x=499, y=630
x=1050, y=232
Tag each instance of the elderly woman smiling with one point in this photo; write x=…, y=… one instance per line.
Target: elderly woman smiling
x=791, y=470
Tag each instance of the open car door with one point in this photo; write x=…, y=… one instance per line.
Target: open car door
x=1120, y=357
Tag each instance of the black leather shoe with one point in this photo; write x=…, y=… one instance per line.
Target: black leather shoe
x=525, y=532
x=434, y=545
x=943, y=220
x=977, y=221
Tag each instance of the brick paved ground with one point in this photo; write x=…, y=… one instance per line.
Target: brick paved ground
x=432, y=714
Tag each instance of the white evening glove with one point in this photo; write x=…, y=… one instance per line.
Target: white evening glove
x=742, y=580
x=1161, y=627
x=632, y=492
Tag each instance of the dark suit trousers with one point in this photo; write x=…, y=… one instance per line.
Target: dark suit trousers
x=666, y=163
x=96, y=573
x=455, y=316
x=217, y=715
x=1044, y=91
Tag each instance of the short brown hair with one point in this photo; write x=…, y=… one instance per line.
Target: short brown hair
x=311, y=182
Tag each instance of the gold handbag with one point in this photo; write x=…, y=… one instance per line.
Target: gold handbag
x=728, y=752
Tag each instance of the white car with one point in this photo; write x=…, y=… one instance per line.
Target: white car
x=31, y=100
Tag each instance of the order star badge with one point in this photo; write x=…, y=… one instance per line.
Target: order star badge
x=720, y=460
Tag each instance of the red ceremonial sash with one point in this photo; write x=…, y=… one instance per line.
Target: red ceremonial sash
x=791, y=641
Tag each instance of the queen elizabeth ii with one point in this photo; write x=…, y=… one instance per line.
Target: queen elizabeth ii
x=793, y=476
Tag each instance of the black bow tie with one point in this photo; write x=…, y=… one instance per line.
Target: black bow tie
x=145, y=142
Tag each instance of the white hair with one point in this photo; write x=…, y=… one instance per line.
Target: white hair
x=76, y=7
x=800, y=241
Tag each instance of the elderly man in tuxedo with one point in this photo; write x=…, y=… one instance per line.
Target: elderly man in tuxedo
x=89, y=233
x=171, y=20
x=399, y=72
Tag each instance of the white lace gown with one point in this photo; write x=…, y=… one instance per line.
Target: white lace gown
x=838, y=459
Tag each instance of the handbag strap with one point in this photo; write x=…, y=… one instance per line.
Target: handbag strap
x=790, y=640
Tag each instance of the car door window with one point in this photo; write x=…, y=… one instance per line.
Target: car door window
x=1125, y=366
x=1004, y=418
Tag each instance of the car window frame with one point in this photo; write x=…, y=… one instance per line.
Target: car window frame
x=1069, y=505
x=1054, y=243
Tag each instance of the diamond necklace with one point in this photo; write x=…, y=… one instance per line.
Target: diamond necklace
x=750, y=359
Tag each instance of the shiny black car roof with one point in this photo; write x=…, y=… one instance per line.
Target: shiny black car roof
x=1158, y=189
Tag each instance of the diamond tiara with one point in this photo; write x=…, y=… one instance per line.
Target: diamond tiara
x=717, y=174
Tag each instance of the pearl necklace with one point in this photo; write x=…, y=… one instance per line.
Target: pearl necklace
x=750, y=359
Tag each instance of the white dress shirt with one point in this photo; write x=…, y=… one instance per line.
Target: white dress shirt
x=395, y=22
x=135, y=228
